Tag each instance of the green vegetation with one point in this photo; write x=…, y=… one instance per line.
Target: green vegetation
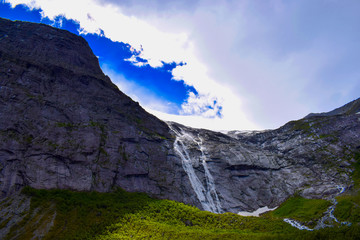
x=82, y=215
x=356, y=174
x=301, y=209
x=76, y=126
x=123, y=215
x=67, y=125
x=300, y=125
x=164, y=219
x=348, y=207
x=332, y=138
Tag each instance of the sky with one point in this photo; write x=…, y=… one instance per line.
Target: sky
x=218, y=64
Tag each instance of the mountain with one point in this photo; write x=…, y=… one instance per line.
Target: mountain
x=312, y=157
x=348, y=109
x=65, y=125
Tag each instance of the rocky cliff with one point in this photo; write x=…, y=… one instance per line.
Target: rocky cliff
x=312, y=157
x=65, y=125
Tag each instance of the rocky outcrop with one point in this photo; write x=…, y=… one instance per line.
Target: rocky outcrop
x=64, y=124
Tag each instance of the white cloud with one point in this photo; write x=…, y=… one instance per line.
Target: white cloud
x=135, y=62
x=216, y=124
x=266, y=63
x=202, y=105
x=157, y=46
x=200, y=117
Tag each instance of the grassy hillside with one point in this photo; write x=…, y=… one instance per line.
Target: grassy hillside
x=348, y=207
x=62, y=214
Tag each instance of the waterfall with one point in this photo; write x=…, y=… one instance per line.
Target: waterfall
x=296, y=224
x=211, y=190
x=206, y=195
x=328, y=218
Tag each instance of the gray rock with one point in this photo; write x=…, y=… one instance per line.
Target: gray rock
x=256, y=169
x=64, y=124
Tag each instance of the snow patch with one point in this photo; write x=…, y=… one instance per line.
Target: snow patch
x=257, y=212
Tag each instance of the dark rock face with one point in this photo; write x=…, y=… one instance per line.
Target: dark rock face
x=64, y=124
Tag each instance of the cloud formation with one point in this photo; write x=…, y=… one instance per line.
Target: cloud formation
x=264, y=63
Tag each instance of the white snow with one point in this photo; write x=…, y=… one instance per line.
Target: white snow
x=257, y=212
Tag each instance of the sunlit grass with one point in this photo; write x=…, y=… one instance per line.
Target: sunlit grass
x=302, y=209
x=124, y=215
x=117, y=215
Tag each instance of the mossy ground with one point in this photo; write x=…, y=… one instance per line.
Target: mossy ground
x=123, y=215
x=301, y=209
x=348, y=208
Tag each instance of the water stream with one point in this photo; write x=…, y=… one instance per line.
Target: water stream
x=326, y=221
x=207, y=194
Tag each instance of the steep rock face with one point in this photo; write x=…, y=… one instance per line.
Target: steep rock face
x=311, y=156
x=64, y=124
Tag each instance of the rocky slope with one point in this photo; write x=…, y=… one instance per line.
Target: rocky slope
x=65, y=125
x=312, y=156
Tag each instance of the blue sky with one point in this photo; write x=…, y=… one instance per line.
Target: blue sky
x=153, y=81
x=218, y=64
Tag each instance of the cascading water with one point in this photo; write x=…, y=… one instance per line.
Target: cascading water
x=211, y=190
x=296, y=224
x=329, y=218
x=326, y=221
x=207, y=196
